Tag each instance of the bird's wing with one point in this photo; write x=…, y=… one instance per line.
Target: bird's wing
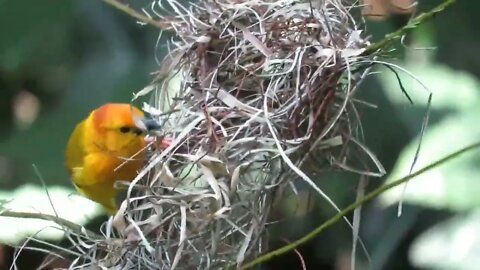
x=75, y=153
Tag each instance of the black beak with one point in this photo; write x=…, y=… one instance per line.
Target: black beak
x=151, y=124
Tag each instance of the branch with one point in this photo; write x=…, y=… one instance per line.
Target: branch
x=370, y=196
x=133, y=13
x=414, y=23
x=58, y=220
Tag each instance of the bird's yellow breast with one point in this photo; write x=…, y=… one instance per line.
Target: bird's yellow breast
x=97, y=177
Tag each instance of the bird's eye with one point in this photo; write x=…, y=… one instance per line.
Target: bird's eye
x=124, y=129
x=137, y=131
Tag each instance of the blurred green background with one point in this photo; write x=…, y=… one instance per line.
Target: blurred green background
x=60, y=59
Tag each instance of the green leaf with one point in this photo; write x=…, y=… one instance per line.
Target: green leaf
x=454, y=244
x=452, y=90
x=454, y=185
x=30, y=198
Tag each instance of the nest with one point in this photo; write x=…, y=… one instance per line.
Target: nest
x=265, y=98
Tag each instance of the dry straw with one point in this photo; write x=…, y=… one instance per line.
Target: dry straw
x=266, y=91
x=265, y=97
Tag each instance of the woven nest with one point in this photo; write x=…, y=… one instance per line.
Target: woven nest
x=266, y=96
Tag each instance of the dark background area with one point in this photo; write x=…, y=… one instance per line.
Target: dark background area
x=60, y=59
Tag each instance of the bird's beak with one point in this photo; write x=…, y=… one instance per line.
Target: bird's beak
x=150, y=125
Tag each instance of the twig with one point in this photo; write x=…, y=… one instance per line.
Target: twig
x=133, y=13
x=58, y=220
x=414, y=23
x=370, y=196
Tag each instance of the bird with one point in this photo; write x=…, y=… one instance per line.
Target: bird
x=105, y=147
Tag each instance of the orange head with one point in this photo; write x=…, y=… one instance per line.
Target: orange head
x=112, y=129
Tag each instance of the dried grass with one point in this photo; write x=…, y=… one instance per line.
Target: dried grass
x=266, y=96
x=266, y=92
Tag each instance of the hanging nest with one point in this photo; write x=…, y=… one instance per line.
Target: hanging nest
x=265, y=97
x=266, y=91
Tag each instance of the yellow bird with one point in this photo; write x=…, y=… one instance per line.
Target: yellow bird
x=105, y=147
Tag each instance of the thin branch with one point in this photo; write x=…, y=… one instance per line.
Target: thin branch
x=414, y=23
x=133, y=13
x=370, y=196
x=58, y=220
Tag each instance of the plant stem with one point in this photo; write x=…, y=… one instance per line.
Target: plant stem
x=133, y=13
x=58, y=220
x=414, y=23
x=370, y=196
